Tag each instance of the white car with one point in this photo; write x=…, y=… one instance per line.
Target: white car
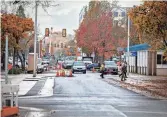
x=40, y=67
x=79, y=66
x=87, y=61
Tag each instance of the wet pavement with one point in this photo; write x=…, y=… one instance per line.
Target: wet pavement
x=87, y=95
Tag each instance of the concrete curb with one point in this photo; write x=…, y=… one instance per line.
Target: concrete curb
x=145, y=91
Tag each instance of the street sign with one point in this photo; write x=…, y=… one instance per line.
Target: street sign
x=133, y=53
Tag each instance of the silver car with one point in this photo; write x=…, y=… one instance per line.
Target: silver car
x=79, y=66
x=111, y=67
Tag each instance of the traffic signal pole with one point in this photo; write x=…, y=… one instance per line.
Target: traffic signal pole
x=35, y=39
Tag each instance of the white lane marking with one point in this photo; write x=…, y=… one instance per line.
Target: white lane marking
x=121, y=113
x=107, y=108
x=25, y=86
x=146, y=112
x=47, y=90
x=31, y=108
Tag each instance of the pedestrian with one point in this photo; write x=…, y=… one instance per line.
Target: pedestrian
x=102, y=68
x=123, y=71
x=120, y=69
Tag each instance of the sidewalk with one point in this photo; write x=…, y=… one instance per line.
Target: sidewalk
x=26, y=81
x=152, y=86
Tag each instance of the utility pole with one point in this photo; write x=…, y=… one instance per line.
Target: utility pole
x=104, y=50
x=50, y=44
x=35, y=38
x=128, y=45
x=6, y=60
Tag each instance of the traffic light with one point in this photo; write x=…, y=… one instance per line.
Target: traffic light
x=64, y=33
x=46, y=32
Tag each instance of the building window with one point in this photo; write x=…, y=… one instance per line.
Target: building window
x=163, y=60
x=160, y=59
x=115, y=23
x=123, y=14
x=58, y=45
x=61, y=45
x=115, y=14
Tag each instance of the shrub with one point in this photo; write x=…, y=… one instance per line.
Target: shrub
x=15, y=71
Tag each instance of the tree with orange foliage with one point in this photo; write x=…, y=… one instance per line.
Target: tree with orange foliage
x=96, y=33
x=150, y=19
x=15, y=27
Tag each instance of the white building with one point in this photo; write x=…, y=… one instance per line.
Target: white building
x=81, y=14
x=120, y=16
x=148, y=63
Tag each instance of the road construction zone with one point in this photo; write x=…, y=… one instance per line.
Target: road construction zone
x=64, y=73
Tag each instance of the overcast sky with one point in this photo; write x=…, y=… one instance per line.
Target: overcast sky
x=66, y=15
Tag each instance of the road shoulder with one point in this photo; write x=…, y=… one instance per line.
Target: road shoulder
x=138, y=86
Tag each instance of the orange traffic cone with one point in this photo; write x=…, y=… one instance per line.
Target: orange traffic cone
x=63, y=73
x=93, y=70
x=57, y=73
x=70, y=75
x=60, y=73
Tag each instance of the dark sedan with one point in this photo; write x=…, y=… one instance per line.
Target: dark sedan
x=93, y=65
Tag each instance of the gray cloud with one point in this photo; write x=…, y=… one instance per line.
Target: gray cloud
x=67, y=14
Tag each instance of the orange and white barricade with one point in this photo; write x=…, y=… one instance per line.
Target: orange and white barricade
x=9, y=94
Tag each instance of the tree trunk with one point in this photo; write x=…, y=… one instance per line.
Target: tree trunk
x=3, y=59
x=14, y=55
x=21, y=57
x=96, y=56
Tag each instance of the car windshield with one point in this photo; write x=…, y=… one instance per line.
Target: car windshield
x=39, y=61
x=110, y=63
x=79, y=64
x=69, y=62
x=87, y=59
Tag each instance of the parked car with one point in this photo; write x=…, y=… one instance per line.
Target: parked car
x=79, y=66
x=68, y=64
x=45, y=61
x=93, y=65
x=40, y=67
x=111, y=67
x=17, y=62
x=87, y=60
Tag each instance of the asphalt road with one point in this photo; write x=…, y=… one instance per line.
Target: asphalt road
x=87, y=95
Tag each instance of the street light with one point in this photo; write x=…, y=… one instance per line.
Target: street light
x=50, y=40
x=35, y=38
x=128, y=45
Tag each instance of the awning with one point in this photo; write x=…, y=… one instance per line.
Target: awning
x=138, y=47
